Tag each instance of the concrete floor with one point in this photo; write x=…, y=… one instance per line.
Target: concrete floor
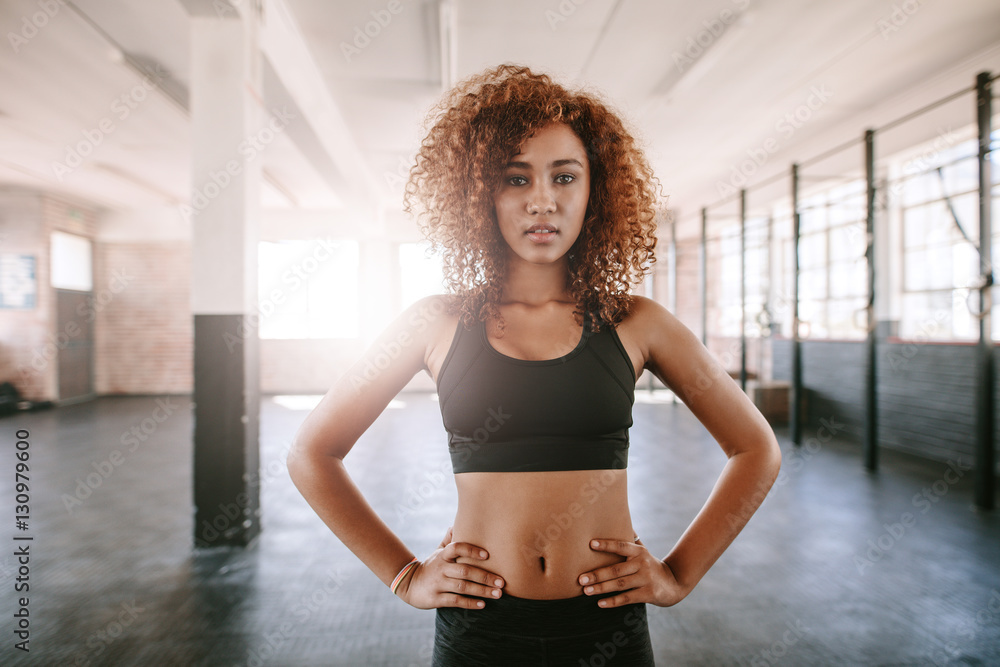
x=839, y=567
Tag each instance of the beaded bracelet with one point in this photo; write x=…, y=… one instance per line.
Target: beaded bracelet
x=402, y=573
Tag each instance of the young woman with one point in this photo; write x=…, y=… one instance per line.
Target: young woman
x=543, y=208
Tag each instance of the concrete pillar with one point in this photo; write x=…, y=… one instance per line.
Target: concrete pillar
x=229, y=129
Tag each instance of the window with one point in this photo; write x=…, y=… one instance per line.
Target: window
x=757, y=272
x=780, y=304
x=727, y=288
x=832, y=268
x=308, y=289
x=71, y=262
x=939, y=221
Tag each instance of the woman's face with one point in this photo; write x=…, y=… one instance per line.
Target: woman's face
x=543, y=193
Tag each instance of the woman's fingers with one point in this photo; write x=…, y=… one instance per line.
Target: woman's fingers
x=469, y=573
x=455, y=549
x=442, y=581
x=461, y=584
x=630, y=584
x=447, y=538
x=617, y=577
x=460, y=601
x=470, y=588
x=620, y=547
x=640, y=578
x=629, y=578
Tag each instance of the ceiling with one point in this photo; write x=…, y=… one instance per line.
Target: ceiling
x=700, y=83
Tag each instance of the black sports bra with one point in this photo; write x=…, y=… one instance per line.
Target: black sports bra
x=514, y=415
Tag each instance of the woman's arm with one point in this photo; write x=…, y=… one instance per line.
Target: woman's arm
x=670, y=351
x=316, y=466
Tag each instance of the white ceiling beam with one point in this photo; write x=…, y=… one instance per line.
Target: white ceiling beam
x=330, y=140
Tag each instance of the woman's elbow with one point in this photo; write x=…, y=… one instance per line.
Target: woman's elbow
x=297, y=460
x=772, y=456
x=301, y=457
x=306, y=454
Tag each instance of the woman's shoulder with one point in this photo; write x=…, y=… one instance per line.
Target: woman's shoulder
x=435, y=304
x=650, y=323
x=433, y=322
x=644, y=312
x=432, y=312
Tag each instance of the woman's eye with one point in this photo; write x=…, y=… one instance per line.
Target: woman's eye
x=564, y=179
x=517, y=180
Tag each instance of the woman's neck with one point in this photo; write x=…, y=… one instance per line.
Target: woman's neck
x=535, y=284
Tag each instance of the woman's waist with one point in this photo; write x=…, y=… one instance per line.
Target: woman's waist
x=541, y=553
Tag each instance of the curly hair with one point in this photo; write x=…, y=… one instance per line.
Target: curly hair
x=476, y=129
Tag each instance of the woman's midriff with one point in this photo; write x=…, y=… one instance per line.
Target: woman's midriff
x=537, y=526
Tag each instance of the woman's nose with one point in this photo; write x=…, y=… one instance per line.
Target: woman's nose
x=540, y=201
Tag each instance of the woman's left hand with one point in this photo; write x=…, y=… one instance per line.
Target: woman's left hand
x=642, y=577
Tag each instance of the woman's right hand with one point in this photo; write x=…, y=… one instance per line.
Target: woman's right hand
x=441, y=581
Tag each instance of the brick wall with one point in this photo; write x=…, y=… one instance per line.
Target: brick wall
x=29, y=340
x=144, y=326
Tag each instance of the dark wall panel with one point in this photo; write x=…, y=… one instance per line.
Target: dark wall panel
x=926, y=399
x=925, y=393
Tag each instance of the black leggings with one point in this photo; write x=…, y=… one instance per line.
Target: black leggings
x=574, y=632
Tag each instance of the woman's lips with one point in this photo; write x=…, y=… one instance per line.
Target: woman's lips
x=542, y=233
x=542, y=236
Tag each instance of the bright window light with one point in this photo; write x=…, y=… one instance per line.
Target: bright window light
x=420, y=274
x=308, y=289
x=71, y=262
